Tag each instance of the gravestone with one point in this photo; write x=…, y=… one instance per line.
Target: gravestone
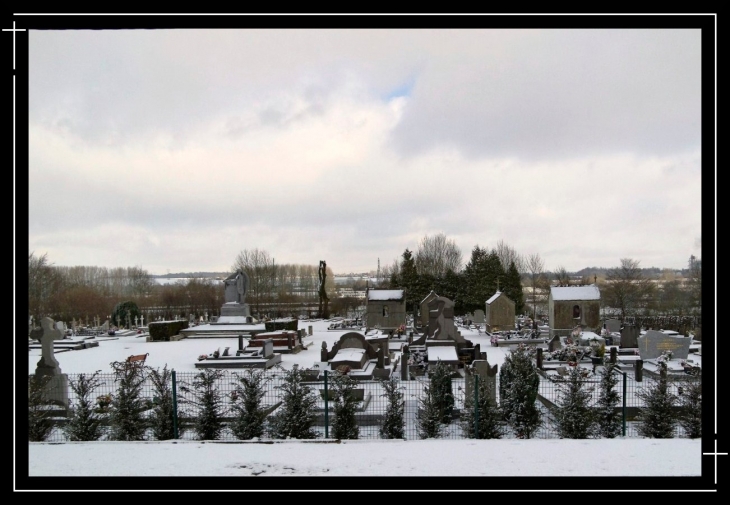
x=486, y=373
x=268, y=348
x=141, y=320
x=613, y=325
x=653, y=343
x=105, y=326
x=479, y=316
x=61, y=326
x=629, y=336
x=554, y=344
x=57, y=388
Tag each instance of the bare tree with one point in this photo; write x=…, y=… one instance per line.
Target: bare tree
x=44, y=284
x=259, y=266
x=695, y=282
x=538, y=281
x=561, y=276
x=507, y=255
x=627, y=289
x=436, y=255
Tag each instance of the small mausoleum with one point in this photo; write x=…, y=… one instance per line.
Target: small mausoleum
x=386, y=309
x=499, y=313
x=571, y=306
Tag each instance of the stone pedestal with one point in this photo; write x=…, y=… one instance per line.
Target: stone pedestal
x=234, y=309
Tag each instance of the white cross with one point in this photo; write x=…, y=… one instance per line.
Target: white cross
x=13, y=29
x=716, y=454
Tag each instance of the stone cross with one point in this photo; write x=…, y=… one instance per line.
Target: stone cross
x=47, y=365
x=136, y=320
x=141, y=319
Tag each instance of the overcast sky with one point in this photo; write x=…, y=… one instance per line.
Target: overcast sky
x=174, y=150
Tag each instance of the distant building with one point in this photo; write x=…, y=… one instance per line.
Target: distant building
x=571, y=306
x=499, y=313
x=386, y=308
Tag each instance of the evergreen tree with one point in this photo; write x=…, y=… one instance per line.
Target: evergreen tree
x=483, y=419
x=40, y=424
x=656, y=418
x=84, y=423
x=691, y=400
x=429, y=413
x=344, y=424
x=122, y=310
x=518, y=387
x=296, y=415
x=513, y=288
x=207, y=403
x=248, y=397
x=162, y=419
x=126, y=418
x=393, y=420
x=476, y=287
x=607, y=417
x=440, y=377
x=574, y=416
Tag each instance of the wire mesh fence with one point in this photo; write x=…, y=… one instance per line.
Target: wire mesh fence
x=372, y=406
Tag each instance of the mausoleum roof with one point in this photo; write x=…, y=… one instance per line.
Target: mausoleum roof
x=385, y=294
x=589, y=292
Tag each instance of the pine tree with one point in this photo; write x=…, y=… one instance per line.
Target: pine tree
x=440, y=378
x=607, y=417
x=126, y=418
x=393, y=420
x=162, y=419
x=513, y=288
x=574, y=416
x=207, y=403
x=484, y=420
x=344, y=424
x=84, y=423
x=296, y=415
x=429, y=414
x=691, y=400
x=518, y=387
x=40, y=424
x=656, y=418
x=248, y=397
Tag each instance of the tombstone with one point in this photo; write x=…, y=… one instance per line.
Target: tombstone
x=480, y=368
x=653, y=343
x=268, y=348
x=61, y=326
x=57, y=388
x=404, y=375
x=191, y=320
x=381, y=358
x=479, y=316
x=202, y=319
x=309, y=330
x=612, y=325
x=323, y=352
x=629, y=336
x=105, y=326
x=554, y=344
x=206, y=317
x=141, y=320
x=225, y=352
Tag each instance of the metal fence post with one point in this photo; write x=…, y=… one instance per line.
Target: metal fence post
x=174, y=405
x=623, y=420
x=326, y=407
x=476, y=406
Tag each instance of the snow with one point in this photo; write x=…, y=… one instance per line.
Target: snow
x=443, y=353
x=590, y=292
x=385, y=294
x=371, y=457
x=494, y=297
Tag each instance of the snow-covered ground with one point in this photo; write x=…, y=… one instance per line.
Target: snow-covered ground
x=485, y=458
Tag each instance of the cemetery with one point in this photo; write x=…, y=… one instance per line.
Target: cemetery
x=395, y=347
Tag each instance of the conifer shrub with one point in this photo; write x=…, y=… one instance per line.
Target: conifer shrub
x=85, y=419
x=518, y=388
x=574, y=417
x=481, y=418
x=296, y=415
x=656, y=418
x=393, y=420
x=440, y=377
x=40, y=424
x=204, y=404
x=247, y=404
x=429, y=413
x=608, y=418
x=344, y=423
x=126, y=411
x=162, y=416
x=690, y=399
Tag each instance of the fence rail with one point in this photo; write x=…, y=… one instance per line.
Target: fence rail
x=370, y=412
